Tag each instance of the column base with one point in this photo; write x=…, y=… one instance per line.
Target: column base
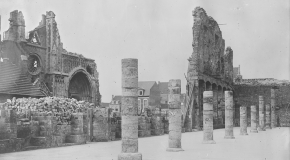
x=244, y=134
x=229, y=137
x=208, y=142
x=130, y=156
x=254, y=131
x=174, y=149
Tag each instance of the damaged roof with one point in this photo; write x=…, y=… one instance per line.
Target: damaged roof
x=13, y=81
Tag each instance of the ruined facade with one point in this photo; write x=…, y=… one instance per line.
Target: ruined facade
x=210, y=68
x=46, y=64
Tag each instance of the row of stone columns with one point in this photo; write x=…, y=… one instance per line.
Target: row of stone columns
x=266, y=120
x=130, y=118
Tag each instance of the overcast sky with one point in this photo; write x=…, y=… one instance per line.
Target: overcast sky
x=159, y=34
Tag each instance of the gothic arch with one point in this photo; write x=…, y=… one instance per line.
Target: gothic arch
x=80, y=86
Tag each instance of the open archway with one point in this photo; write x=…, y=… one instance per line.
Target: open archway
x=80, y=87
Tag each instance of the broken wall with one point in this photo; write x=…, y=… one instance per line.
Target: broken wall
x=208, y=55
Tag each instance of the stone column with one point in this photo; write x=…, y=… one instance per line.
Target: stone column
x=243, y=120
x=220, y=101
x=223, y=107
x=129, y=110
x=229, y=114
x=208, y=117
x=254, y=119
x=202, y=86
x=261, y=114
x=215, y=103
x=174, y=106
x=268, y=117
x=189, y=105
x=273, y=109
x=196, y=105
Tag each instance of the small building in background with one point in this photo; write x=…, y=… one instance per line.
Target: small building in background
x=148, y=96
x=115, y=105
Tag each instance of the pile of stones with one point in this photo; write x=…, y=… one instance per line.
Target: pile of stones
x=61, y=108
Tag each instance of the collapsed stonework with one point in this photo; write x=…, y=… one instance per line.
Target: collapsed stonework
x=33, y=123
x=210, y=68
x=46, y=68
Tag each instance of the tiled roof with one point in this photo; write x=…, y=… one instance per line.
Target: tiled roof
x=163, y=87
x=13, y=81
x=146, y=85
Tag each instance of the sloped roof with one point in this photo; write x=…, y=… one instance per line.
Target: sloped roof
x=117, y=98
x=163, y=87
x=13, y=81
x=146, y=85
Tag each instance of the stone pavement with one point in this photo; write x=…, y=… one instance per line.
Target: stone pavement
x=267, y=145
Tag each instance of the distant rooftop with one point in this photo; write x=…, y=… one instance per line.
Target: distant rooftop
x=163, y=87
x=263, y=82
x=146, y=85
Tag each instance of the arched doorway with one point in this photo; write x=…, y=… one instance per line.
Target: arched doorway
x=80, y=87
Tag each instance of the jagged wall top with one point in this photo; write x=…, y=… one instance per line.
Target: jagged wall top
x=208, y=57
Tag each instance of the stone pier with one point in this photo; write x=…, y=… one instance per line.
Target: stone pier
x=77, y=132
x=174, y=106
x=273, y=109
x=196, y=107
x=229, y=113
x=268, y=117
x=254, y=119
x=261, y=114
x=243, y=120
x=208, y=117
x=129, y=107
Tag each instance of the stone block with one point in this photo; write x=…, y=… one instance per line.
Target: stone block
x=39, y=141
x=78, y=139
x=4, y=145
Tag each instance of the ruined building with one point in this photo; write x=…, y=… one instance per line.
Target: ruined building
x=38, y=65
x=210, y=68
x=246, y=92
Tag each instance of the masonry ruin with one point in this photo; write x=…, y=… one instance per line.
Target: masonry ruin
x=47, y=69
x=210, y=68
x=58, y=100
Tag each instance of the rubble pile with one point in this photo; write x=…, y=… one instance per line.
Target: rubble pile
x=61, y=108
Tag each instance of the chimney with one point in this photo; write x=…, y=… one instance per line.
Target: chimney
x=16, y=31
